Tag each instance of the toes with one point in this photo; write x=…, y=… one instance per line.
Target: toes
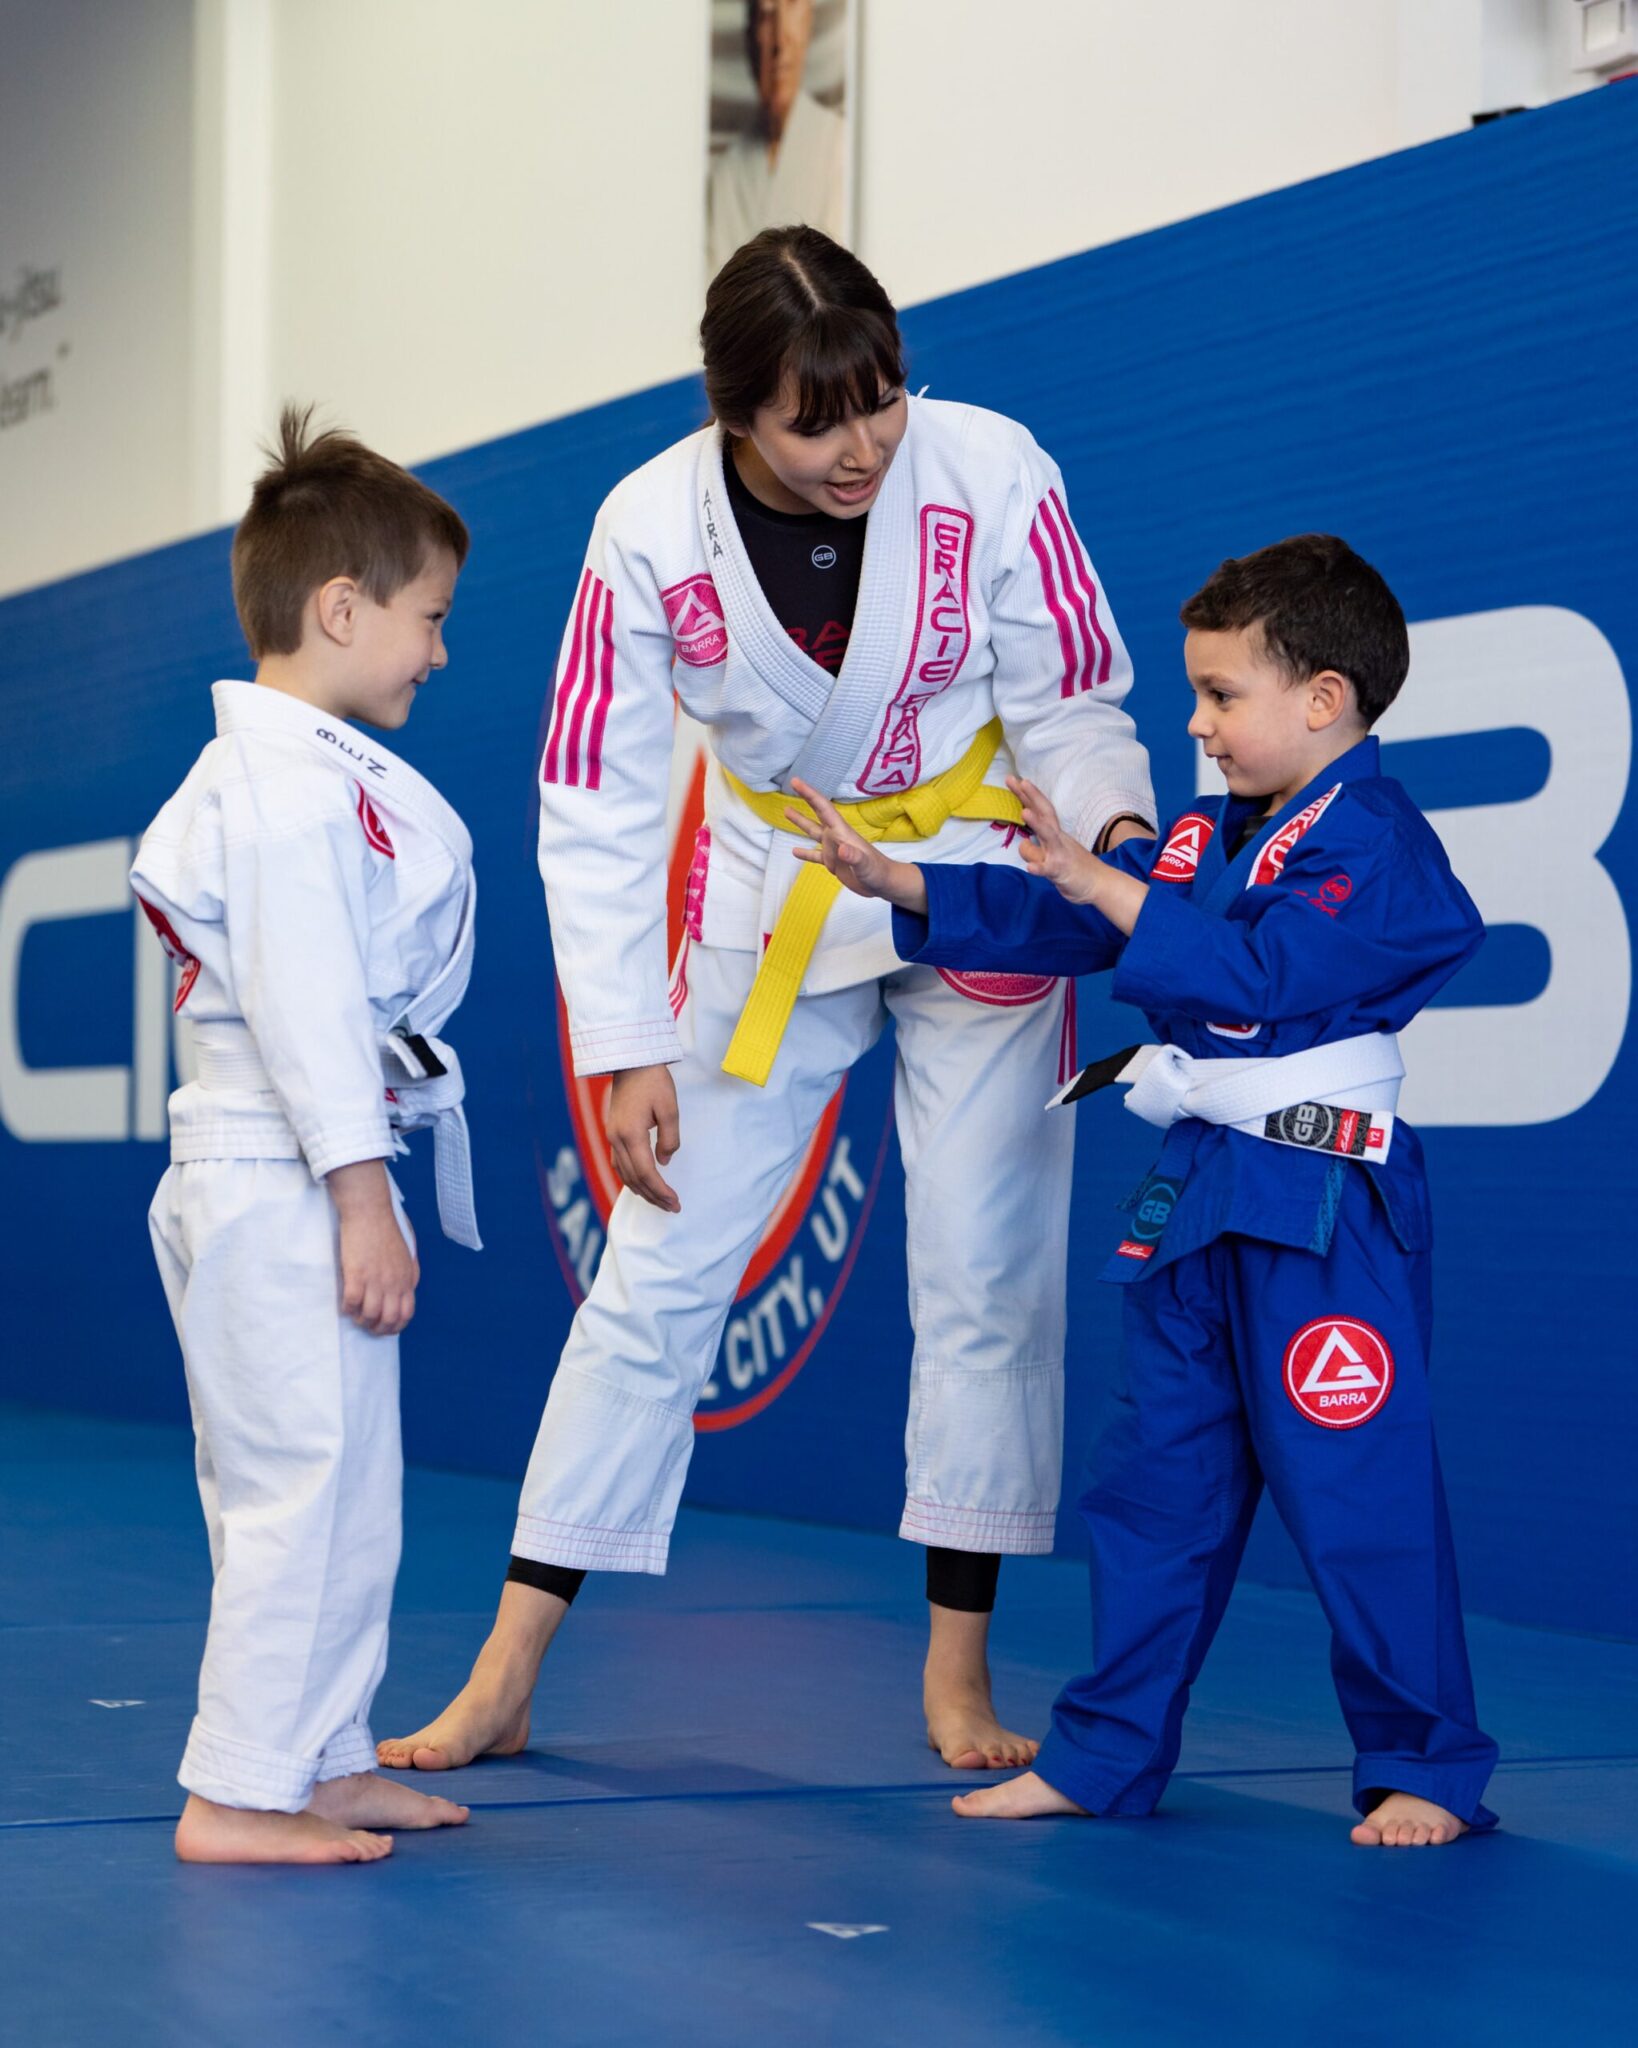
x=429, y=1759
x=969, y=1760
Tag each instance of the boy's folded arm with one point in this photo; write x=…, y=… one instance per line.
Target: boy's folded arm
x=1331, y=936
x=988, y=916
x=295, y=916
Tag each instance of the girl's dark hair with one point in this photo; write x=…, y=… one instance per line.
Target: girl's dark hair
x=328, y=506
x=792, y=304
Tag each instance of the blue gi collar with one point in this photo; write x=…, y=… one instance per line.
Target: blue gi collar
x=1220, y=878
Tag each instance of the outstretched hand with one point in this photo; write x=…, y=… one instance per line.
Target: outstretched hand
x=1050, y=852
x=857, y=865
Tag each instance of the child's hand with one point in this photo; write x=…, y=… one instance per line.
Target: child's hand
x=856, y=864
x=379, y=1272
x=1050, y=852
x=641, y=1100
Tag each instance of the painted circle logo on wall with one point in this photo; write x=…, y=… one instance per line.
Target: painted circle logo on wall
x=1338, y=1371
x=805, y=1256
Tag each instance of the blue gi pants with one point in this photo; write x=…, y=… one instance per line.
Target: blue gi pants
x=1210, y=1409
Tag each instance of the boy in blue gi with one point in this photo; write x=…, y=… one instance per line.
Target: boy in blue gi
x=1278, y=1313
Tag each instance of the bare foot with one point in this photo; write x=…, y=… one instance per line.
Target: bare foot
x=366, y=1801
x=480, y=1720
x=1403, y=1821
x=1025, y=1798
x=962, y=1727
x=489, y=1716
x=208, y=1833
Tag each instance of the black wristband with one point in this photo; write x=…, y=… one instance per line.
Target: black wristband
x=1123, y=818
x=562, y=1579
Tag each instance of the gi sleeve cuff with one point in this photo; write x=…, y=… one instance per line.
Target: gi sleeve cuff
x=1162, y=941
x=612, y=1048
x=911, y=932
x=1108, y=805
x=346, y=1144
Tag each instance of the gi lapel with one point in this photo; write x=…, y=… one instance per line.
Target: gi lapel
x=753, y=631
x=844, y=707
x=1262, y=858
x=242, y=707
x=884, y=620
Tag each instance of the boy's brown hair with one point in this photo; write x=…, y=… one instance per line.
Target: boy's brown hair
x=1320, y=606
x=327, y=507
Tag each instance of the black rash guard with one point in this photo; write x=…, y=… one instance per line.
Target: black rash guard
x=808, y=566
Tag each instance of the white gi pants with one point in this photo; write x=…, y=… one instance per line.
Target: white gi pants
x=987, y=1198
x=295, y=1415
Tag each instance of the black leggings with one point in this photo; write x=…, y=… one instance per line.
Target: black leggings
x=962, y=1579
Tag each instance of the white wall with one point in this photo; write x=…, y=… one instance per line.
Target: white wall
x=447, y=221
x=95, y=185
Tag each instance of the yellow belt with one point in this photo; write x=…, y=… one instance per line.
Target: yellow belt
x=912, y=814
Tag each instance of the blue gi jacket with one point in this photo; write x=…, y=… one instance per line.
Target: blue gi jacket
x=1338, y=916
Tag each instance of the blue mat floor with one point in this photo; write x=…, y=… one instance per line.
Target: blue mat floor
x=725, y=1757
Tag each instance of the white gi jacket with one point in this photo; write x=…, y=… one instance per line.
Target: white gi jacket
x=317, y=895
x=976, y=601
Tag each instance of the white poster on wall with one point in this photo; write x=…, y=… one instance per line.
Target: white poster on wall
x=782, y=98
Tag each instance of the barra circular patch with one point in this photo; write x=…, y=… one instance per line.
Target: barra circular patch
x=1003, y=991
x=1338, y=1371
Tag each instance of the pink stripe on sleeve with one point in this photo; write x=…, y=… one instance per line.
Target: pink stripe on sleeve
x=551, y=767
x=1073, y=599
x=1066, y=641
x=1083, y=567
x=605, y=692
x=575, y=766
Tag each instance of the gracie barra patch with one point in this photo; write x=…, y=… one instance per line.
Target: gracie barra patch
x=693, y=611
x=1317, y=1127
x=1179, y=859
x=1338, y=1371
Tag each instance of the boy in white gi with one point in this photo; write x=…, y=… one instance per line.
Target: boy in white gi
x=316, y=895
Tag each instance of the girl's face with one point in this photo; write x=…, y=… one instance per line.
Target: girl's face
x=838, y=470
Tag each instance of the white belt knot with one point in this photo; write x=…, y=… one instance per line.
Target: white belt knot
x=1354, y=1073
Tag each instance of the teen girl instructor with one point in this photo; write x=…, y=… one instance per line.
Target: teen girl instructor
x=884, y=596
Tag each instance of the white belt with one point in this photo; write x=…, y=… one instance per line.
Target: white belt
x=423, y=1076
x=1336, y=1098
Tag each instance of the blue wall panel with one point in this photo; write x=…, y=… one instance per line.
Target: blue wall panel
x=1431, y=355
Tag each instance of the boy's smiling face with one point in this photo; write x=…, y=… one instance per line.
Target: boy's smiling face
x=392, y=648
x=1269, y=735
